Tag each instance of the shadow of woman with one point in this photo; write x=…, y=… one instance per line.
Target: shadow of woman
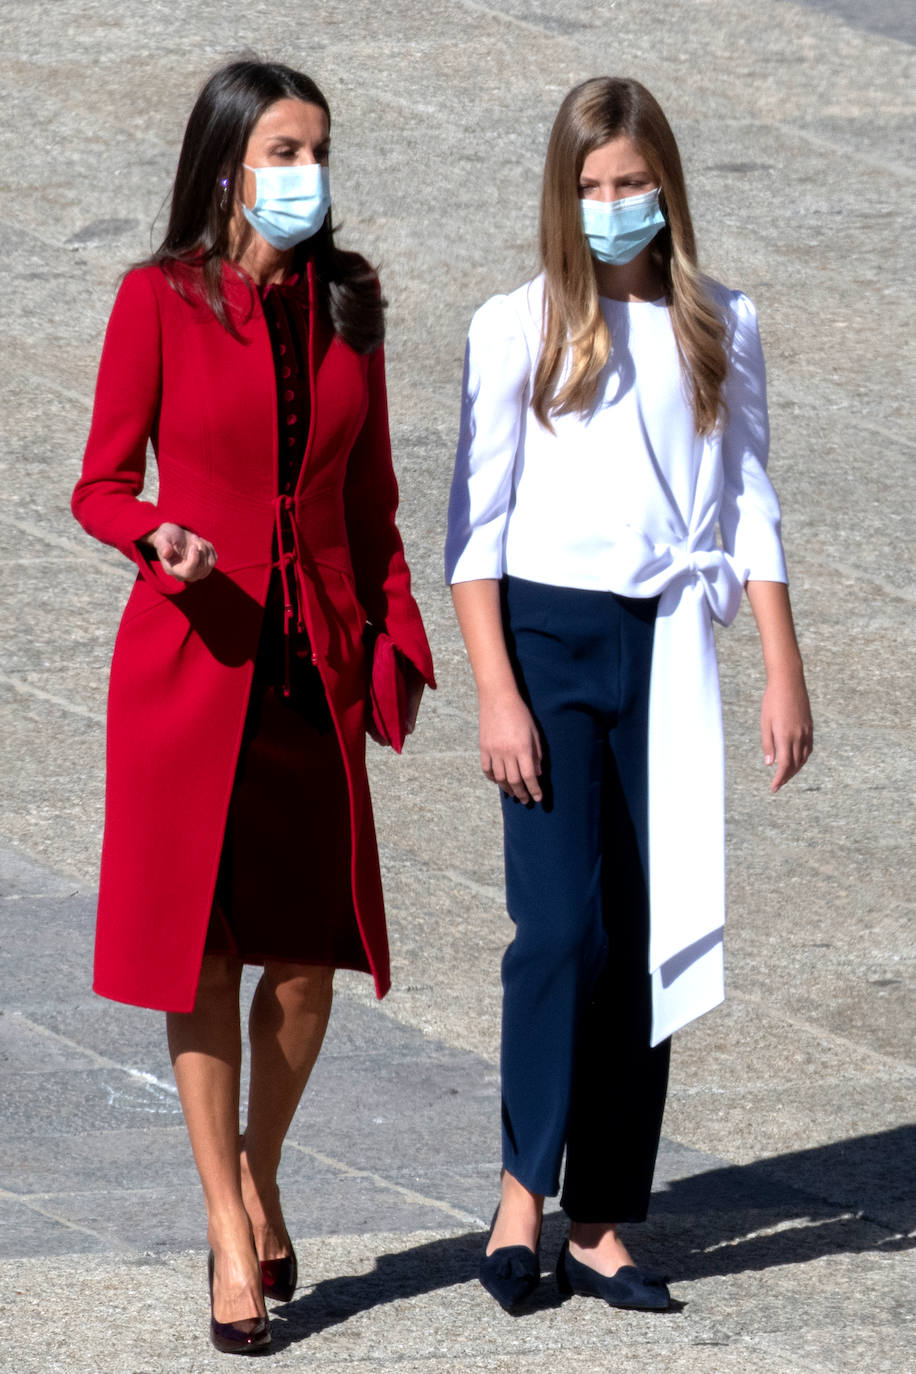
x=715, y=1223
x=400, y=1275
x=849, y=1197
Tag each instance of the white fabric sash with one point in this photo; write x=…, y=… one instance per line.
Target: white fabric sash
x=686, y=765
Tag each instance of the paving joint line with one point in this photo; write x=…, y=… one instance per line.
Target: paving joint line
x=45, y=1212
x=28, y=690
x=410, y=1194
x=76, y=548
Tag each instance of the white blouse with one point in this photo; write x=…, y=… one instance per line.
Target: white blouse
x=629, y=499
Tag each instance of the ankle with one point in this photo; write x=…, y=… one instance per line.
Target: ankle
x=515, y=1194
x=599, y=1246
x=518, y=1218
x=591, y=1235
x=228, y=1228
x=258, y=1169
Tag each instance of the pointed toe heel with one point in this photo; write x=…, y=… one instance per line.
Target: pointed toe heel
x=232, y=1338
x=279, y=1277
x=630, y=1288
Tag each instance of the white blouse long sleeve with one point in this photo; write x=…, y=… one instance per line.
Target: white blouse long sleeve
x=630, y=499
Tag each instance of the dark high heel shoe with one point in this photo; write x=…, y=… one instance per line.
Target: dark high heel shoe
x=511, y=1273
x=230, y=1338
x=629, y=1287
x=279, y=1277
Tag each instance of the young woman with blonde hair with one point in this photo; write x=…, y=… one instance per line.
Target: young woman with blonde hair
x=610, y=501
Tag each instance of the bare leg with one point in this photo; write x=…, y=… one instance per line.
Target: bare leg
x=206, y=1051
x=289, y=1016
x=519, y=1220
x=597, y=1244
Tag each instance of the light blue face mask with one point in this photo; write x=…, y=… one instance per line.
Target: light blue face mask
x=619, y=229
x=290, y=203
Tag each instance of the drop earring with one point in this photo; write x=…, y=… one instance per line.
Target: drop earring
x=224, y=198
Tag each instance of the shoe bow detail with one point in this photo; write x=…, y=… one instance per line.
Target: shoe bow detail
x=513, y=1262
x=630, y=1287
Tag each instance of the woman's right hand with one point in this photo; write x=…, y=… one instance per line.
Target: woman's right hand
x=182, y=553
x=510, y=746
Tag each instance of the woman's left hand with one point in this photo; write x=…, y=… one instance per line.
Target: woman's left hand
x=786, y=732
x=786, y=729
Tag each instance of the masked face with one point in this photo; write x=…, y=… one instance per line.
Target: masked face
x=290, y=203
x=618, y=195
x=285, y=188
x=617, y=230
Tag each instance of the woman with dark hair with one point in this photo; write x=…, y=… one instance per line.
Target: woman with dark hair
x=614, y=420
x=238, y=820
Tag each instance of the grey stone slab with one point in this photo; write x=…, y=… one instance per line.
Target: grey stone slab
x=18, y=1050
x=378, y=1113
x=45, y=944
x=26, y=1231
x=41, y=1104
x=113, y=1159
x=164, y=1220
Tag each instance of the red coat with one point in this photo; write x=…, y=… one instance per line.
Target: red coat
x=184, y=655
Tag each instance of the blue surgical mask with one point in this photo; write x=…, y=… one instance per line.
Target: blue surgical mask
x=290, y=203
x=619, y=229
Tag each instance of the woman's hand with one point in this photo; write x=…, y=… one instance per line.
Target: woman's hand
x=510, y=746
x=182, y=553
x=786, y=732
x=786, y=729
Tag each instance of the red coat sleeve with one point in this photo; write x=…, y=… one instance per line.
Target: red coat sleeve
x=106, y=498
x=371, y=502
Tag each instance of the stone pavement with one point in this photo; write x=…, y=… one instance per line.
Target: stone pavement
x=785, y=1203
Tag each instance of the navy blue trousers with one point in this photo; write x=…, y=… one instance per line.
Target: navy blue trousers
x=578, y=1073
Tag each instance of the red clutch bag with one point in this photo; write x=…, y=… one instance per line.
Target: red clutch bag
x=387, y=689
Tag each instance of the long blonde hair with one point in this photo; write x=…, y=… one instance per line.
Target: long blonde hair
x=573, y=326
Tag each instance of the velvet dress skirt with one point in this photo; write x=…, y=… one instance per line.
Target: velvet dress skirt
x=284, y=890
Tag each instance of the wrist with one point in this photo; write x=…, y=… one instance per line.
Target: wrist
x=497, y=687
x=787, y=667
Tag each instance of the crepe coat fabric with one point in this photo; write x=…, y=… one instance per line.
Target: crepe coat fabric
x=185, y=652
x=629, y=499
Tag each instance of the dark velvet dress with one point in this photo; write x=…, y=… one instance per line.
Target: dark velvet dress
x=283, y=890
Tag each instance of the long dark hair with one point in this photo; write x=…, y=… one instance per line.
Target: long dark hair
x=199, y=232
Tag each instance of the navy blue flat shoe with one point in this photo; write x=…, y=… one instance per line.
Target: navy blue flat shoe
x=511, y=1273
x=630, y=1288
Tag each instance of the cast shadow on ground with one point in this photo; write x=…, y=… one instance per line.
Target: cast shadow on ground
x=850, y=1197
